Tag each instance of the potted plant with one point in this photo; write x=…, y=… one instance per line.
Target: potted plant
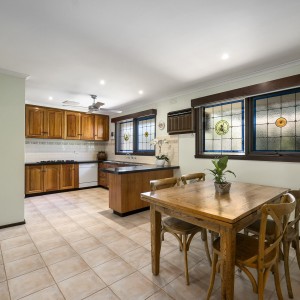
x=160, y=158
x=221, y=184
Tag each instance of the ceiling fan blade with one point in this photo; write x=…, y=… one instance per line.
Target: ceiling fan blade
x=98, y=105
x=70, y=103
x=111, y=110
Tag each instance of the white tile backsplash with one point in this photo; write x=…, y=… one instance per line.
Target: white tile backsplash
x=44, y=149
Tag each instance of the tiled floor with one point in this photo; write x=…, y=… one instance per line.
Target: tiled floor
x=73, y=247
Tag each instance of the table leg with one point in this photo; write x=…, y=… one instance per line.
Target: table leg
x=155, y=217
x=228, y=245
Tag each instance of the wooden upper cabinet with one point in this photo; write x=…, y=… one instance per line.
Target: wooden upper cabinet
x=53, y=123
x=72, y=125
x=87, y=126
x=51, y=178
x=101, y=128
x=34, y=126
x=42, y=122
x=34, y=179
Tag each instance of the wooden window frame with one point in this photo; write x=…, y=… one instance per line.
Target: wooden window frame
x=245, y=93
x=150, y=113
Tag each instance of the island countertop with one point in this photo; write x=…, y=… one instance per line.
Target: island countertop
x=138, y=169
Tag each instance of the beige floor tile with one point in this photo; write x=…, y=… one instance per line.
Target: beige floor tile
x=1, y=259
x=86, y=245
x=167, y=273
x=98, y=256
x=19, y=252
x=2, y=274
x=99, y=228
x=68, y=268
x=141, y=238
x=38, y=227
x=4, y=293
x=24, y=265
x=105, y=294
x=123, y=245
x=176, y=258
x=45, y=245
x=15, y=242
x=29, y=283
x=81, y=286
x=11, y=232
x=76, y=235
x=44, y=235
x=58, y=254
x=166, y=248
x=50, y=293
x=67, y=228
x=108, y=236
x=114, y=270
x=161, y=295
x=138, y=258
x=135, y=287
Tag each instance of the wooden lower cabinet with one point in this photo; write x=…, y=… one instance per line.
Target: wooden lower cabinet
x=34, y=179
x=69, y=176
x=125, y=189
x=50, y=178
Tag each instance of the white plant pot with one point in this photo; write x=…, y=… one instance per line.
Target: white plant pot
x=160, y=162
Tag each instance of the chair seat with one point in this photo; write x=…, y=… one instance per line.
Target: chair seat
x=246, y=248
x=179, y=225
x=270, y=229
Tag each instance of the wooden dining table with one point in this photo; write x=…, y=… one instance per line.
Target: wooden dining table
x=199, y=204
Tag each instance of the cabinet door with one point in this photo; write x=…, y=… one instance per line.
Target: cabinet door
x=101, y=128
x=53, y=123
x=67, y=177
x=34, y=179
x=34, y=124
x=102, y=176
x=72, y=125
x=87, y=126
x=51, y=178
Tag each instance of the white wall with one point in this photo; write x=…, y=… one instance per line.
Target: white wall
x=12, y=128
x=281, y=174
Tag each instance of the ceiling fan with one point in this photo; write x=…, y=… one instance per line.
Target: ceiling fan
x=95, y=107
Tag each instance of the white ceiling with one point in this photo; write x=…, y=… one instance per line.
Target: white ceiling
x=161, y=47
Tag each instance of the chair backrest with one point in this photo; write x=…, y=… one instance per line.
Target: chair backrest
x=195, y=177
x=163, y=183
x=280, y=214
x=295, y=223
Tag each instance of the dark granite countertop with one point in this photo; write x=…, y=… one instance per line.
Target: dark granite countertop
x=137, y=169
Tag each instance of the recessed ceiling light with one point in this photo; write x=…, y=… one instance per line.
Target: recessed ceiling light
x=225, y=56
x=141, y=92
x=102, y=82
x=50, y=98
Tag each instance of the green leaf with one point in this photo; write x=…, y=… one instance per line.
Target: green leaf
x=228, y=171
x=223, y=162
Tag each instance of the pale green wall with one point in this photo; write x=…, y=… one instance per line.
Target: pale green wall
x=269, y=173
x=12, y=114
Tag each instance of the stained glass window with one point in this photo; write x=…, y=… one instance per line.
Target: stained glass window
x=223, y=130
x=125, y=136
x=134, y=135
x=146, y=133
x=276, y=125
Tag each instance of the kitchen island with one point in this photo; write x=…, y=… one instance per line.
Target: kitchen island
x=127, y=183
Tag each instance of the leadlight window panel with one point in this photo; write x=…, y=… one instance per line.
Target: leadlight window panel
x=223, y=130
x=125, y=136
x=146, y=133
x=276, y=122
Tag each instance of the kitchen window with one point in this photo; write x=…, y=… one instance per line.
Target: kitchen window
x=135, y=132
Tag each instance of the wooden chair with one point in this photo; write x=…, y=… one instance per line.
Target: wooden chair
x=191, y=178
x=291, y=237
x=183, y=231
x=258, y=253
